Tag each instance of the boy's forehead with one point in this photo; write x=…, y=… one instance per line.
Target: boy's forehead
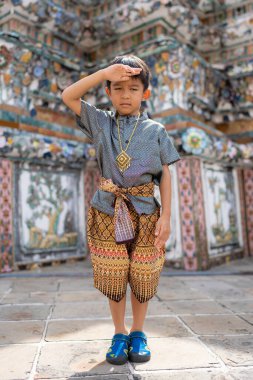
x=130, y=81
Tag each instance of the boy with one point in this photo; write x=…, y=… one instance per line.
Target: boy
x=125, y=231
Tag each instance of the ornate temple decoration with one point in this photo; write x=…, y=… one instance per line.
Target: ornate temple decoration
x=195, y=140
x=200, y=57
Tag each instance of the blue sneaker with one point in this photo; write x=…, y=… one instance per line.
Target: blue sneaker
x=138, y=350
x=118, y=352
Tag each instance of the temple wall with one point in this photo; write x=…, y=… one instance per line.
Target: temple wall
x=44, y=212
x=48, y=171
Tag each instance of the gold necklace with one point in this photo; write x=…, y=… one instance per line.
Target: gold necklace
x=123, y=160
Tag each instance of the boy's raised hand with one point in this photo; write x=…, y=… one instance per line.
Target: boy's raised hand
x=120, y=72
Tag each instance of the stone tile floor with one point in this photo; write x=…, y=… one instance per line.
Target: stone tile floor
x=55, y=325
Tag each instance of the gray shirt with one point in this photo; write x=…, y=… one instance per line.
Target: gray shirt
x=150, y=148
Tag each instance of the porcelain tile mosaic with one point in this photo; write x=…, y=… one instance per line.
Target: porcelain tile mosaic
x=6, y=232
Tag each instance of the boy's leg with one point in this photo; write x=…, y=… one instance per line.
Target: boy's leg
x=138, y=350
x=139, y=313
x=118, y=315
x=145, y=267
x=110, y=261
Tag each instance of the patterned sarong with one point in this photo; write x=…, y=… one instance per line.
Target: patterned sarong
x=138, y=262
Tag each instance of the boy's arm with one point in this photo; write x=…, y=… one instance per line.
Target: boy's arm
x=162, y=232
x=165, y=191
x=71, y=96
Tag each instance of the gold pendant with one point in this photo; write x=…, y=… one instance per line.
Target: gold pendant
x=123, y=161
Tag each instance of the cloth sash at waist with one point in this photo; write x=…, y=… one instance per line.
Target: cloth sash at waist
x=123, y=224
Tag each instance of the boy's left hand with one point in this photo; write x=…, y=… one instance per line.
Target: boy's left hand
x=162, y=232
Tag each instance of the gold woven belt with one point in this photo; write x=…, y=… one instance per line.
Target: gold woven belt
x=124, y=228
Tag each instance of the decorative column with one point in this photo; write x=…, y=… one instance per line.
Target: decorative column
x=248, y=191
x=6, y=231
x=88, y=190
x=186, y=215
x=240, y=177
x=91, y=181
x=193, y=227
x=199, y=214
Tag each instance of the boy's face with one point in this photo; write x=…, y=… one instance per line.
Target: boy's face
x=126, y=96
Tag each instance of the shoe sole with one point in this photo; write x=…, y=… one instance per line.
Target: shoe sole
x=138, y=358
x=117, y=361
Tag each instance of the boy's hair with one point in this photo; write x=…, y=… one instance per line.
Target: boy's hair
x=136, y=62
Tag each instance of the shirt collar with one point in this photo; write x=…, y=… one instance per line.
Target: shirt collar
x=131, y=118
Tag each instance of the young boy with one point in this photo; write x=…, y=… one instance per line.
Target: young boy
x=126, y=233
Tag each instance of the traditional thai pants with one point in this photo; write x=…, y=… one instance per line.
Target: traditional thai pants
x=137, y=262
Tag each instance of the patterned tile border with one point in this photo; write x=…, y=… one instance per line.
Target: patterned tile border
x=190, y=260
x=192, y=215
x=248, y=189
x=6, y=216
x=91, y=181
x=199, y=214
x=243, y=210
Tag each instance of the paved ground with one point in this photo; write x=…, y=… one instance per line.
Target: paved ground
x=55, y=325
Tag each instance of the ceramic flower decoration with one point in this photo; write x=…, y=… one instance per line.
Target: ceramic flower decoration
x=195, y=140
x=246, y=151
x=5, y=57
x=34, y=146
x=90, y=152
x=2, y=141
x=232, y=151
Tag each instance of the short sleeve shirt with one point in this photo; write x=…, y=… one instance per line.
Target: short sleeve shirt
x=150, y=148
